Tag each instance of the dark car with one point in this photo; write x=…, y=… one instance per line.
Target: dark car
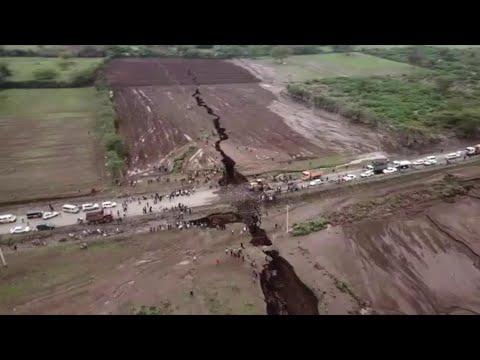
x=45, y=227
x=34, y=214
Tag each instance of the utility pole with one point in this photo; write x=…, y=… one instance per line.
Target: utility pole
x=3, y=259
x=287, y=219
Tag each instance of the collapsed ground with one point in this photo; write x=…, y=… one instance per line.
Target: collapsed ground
x=416, y=253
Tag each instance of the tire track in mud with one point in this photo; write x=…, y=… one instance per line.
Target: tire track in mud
x=285, y=293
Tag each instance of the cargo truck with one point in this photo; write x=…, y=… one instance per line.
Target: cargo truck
x=311, y=175
x=98, y=217
x=379, y=165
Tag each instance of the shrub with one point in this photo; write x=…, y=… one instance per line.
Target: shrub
x=114, y=142
x=45, y=74
x=309, y=227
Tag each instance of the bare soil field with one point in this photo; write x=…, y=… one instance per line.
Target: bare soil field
x=120, y=275
x=416, y=251
x=168, y=72
x=161, y=120
x=39, y=157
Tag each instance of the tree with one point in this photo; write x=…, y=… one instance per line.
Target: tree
x=114, y=164
x=4, y=71
x=443, y=83
x=45, y=74
x=416, y=56
x=114, y=142
x=280, y=53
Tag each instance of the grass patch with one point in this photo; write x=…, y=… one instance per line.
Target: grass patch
x=165, y=308
x=179, y=161
x=318, y=66
x=46, y=148
x=26, y=69
x=309, y=227
x=442, y=94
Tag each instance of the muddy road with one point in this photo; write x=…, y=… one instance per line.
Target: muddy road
x=285, y=293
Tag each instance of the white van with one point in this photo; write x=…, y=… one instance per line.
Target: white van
x=9, y=218
x=70, y=208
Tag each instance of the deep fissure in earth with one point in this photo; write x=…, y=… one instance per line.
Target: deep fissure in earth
x=285, y=293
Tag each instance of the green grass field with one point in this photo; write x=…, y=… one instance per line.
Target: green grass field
x=318, y=66
x=45, y=145
x=23, y=68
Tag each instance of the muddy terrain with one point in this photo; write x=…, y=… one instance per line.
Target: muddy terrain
x=161, y=123
x=408, y=251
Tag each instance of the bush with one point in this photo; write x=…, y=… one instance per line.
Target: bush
x=114, y=164
x=309, y=227
x=45, y=74
x=114, y=142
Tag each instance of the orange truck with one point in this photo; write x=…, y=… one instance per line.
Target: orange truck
x=311, y=175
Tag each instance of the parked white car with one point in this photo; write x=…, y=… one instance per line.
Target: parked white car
x=369, y=167
x=349, y=177
x=390, y=170
x=90, y=207
x=48, y=215
x=109, y=204
x=8, y=218
x=430, y=162
x=73, y=209
x=367, y=173
x=419, y=162
x=454, y=155
x=432, y=157
x=19, y=229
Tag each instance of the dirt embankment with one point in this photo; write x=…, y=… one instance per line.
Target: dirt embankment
x=414, y=251
x=284, y=292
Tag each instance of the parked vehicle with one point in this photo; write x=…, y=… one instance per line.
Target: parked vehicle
x=430, y=162
x=109, y=204
x=258, y=185
x=34, y=214
x=367, y=173
x=453, y=156
x=379, y=165
x=403, y=165
x=390, y=170
x=19, y=229
x=311, y=175
x=8, y=218
x=432, y=157
x=42, y=227
x=73, y=209
x=419, y=162
x=90, y=207
x=349, y=177
x=315, y=182
x=98, y=217
x=48, y=215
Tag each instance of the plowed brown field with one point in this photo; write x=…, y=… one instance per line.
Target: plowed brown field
x=161, y=120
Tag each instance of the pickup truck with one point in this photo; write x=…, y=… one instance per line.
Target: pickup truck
x=98, y=217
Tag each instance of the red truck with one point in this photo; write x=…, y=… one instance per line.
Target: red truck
x=98, y=217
